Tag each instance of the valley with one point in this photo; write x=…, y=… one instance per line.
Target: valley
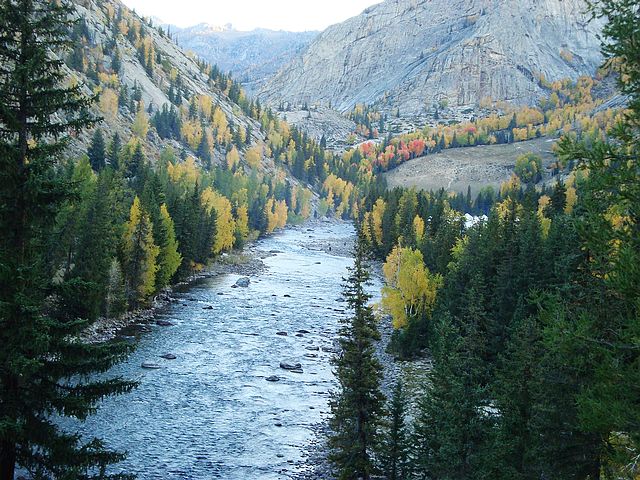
x=404, y=247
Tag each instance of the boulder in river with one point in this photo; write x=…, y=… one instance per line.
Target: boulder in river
x=304, y=331
x=273, y=378
x=311, y=355
x=296, y=370
x=330, y=350
x=243, y=282
x=150, y=365
x=164, y=323
x=208, y=307
x=313, y=348
x=282, y=334
x=168, y=356
x=286, y=295
x=290, y=366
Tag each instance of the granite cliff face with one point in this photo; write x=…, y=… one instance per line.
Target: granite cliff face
x=413, y=54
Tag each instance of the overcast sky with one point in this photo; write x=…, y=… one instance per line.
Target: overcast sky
x=294, y=15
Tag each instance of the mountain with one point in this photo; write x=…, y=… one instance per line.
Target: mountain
x=252, y=57
x=129, y=63
x=413, y=54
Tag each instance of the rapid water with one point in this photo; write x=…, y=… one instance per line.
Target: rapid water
x=210, y=413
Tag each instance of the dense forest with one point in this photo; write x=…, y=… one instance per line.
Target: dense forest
x=530, y=315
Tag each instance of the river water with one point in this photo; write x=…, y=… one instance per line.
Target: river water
x=210, y=413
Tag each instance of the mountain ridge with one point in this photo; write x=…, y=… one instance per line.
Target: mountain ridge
x=411, y=55
x=251, y=56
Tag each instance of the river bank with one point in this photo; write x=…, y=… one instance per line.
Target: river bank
x=247, y=261
x=221, y=405
x=412, y=373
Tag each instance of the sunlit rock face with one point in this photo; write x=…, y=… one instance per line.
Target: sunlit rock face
x=413, y=54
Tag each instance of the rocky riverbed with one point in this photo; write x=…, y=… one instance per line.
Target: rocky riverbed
x=208, y=403
x=234, y=366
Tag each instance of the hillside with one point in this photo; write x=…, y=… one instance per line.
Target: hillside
x=251, y=57
x=150, y=90
x=413, y=56
x=455, y=169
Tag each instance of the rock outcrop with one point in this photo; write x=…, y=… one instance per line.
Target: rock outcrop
x=410, y=55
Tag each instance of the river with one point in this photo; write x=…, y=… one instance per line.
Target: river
x=210, y=413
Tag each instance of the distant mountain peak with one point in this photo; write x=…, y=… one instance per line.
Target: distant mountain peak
x=251, y=56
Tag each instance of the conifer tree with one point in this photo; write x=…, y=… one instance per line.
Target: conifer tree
x=451, y=430
x=204, y=151
x=597, y=329
x=394, y=447
x=517, y=391
x=357, y=406
x=43, y=371
x=135, y=167
x=96, y=248
x=96, y=151
x=114, y=151
x=116, y=61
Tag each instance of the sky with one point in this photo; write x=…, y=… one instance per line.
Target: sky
x=293, y=15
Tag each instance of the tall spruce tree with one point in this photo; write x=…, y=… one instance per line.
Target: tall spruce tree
x=357, y=406
x=114, y=151
x=394, y=445
x=97, y=151
x=43, y=370
x=452, y=428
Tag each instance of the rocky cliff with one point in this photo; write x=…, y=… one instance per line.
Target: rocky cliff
x=413, y=54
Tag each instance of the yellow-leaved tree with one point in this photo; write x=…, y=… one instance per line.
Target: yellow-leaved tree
x=225, y=223
x=410, y=289
x=276, y=213
x=140, y=255
x=140, y=125
x=377, y=214
x=233, y=158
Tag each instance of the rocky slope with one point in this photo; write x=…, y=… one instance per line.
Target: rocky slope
x=251, y=57
x=151, y=64
x=414, y=54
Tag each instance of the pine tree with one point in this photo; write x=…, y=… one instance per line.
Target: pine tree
x=96, y=151
x=357, y=407
x=204, y=151
x=135, y=167
x=116, y=61
x=96, y=249
x=43, y=371
x=597, y=329
x=114, y=151
x=558, y=199
x=517, y=391
x=451, y=430
x=394, y=447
